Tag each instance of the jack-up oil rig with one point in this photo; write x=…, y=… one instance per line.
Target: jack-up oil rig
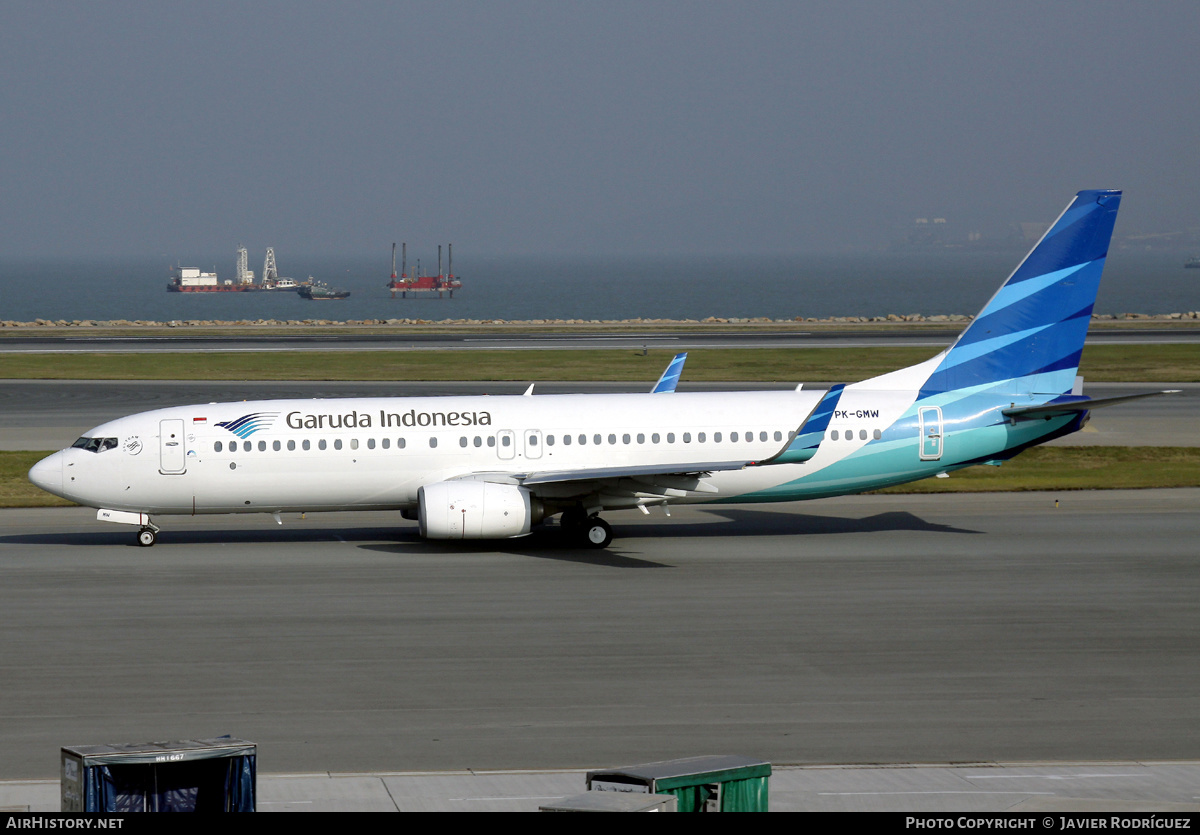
x=442, y=283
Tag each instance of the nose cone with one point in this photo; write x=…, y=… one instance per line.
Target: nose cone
x=48, y=474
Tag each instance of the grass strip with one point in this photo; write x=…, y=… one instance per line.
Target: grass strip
x=1041, y=468
x=15, y=487
x=1073, y=468
x=1101, y=363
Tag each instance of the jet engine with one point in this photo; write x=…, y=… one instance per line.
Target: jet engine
x=476, y=510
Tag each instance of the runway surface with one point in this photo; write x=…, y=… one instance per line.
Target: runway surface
x=886, y=629
x=51, y=414
x=962, y=788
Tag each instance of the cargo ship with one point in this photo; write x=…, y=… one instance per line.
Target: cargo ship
x=188, y=280
x=440, y=283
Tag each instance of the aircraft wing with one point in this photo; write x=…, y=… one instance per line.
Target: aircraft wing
x=684, y=471
x=597, y=473
x=629, y=486
x=1071, y=405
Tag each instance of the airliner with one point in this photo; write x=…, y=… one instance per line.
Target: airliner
x=494, y=467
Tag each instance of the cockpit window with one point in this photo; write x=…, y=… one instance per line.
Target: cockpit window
x=95, y=444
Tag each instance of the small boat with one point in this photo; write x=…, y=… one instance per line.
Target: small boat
x=319, y=291
x=281, y=284
x=1192, y=263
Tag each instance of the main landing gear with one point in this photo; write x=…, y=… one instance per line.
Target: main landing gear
x=147, y=537
x=588, y=531
x=597, y=533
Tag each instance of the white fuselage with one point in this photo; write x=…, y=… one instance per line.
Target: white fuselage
x=375, y=453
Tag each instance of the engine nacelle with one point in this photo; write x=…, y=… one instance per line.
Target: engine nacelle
x=476, y=510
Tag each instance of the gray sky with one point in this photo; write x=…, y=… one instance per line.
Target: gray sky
x=570, y=127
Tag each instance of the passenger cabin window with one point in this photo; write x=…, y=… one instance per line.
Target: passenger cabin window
x=217, y=446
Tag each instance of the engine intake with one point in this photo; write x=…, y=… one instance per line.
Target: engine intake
x=476, y=510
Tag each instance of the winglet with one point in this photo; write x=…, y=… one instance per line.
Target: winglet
x=810, y=434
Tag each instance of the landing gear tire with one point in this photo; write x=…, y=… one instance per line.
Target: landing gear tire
x=596, y=533
x=147, y=537
x=572, y=519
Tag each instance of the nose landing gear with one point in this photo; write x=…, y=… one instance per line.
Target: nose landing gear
x=147, y=533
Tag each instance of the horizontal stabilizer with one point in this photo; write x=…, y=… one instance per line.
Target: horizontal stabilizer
x=1072, y=405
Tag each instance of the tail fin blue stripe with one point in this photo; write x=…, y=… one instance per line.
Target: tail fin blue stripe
x=966, y=353
x=1032, y=331
x=1010, y=294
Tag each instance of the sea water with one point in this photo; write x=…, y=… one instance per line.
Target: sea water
x=608, y=287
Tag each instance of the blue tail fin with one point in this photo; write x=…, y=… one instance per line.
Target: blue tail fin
x=670, y=377
x=1028, y=338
